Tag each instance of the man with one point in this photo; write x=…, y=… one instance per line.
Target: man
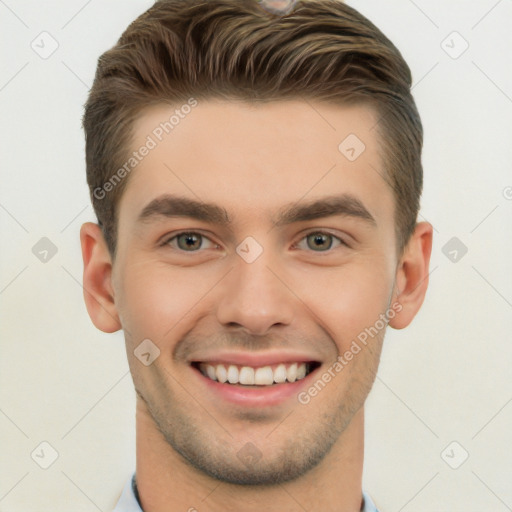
x=256, y=173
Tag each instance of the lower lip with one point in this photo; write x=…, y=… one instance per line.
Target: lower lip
x=257, y=396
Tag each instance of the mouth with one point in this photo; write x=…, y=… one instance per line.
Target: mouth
x=254, y=379
x=255, y=376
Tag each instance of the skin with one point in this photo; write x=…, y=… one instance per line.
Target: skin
x=253, y=160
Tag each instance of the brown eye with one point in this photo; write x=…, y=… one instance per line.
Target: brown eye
x=189, y=241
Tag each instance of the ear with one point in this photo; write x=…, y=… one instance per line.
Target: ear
x=412, y=275
x=98, y=290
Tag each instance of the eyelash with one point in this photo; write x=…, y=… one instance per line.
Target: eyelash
x=167, y=241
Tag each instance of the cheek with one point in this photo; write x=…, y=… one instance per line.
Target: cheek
x=159, y=303
x=348, y=300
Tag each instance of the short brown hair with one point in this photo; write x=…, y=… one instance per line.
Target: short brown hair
x=320, y=50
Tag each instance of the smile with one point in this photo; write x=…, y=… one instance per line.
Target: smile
x=256, y=376
x=254, y=379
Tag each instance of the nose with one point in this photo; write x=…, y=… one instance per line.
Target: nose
x=255, y=298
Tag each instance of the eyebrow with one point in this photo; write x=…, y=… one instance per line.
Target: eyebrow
x=345, y=205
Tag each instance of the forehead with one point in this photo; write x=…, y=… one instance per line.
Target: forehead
x=253, y=158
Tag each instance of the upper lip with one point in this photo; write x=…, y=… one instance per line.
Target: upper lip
x=255, y=359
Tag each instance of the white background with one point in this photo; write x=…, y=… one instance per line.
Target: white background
x=445, y=378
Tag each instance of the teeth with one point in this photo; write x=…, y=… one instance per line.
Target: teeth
x=220, y=372
x=248, y=376
x=291, y=374
x=280, y=373
x=233, y=374
x=210, y=370
x=264, y=376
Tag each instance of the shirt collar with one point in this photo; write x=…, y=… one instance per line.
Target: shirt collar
x=128, y=502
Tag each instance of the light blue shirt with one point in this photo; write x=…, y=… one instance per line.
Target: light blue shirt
x=128, y=502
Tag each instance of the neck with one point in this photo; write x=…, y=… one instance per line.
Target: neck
x=167, y=483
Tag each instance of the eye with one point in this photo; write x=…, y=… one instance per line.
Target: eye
x=189, y=241
x=319, y=241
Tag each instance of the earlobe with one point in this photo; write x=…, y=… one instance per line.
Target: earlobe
x=412, y=275
x=98, y=291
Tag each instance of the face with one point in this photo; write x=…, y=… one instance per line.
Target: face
x=250, y=245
